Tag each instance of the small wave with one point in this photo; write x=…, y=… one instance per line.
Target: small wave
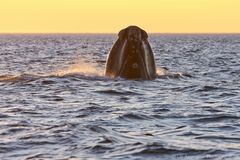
x=134, y=116
x=114, y=92
x=101, y=61
x=46, y=79
x=235, y=139
x=6, y=148
x=161, y=110
x=160, y=150
x=208, y=88
x=99, y=148
x=107, y=140
x=52, y=98
x=190, y=133
x=47, y=82
x=39, y=142
x=87, y=111
x=96, y=128
x=216, y=118
x=17, y=78
x=12, y=128
x=194, y=50
x=38, y=156
x=7, y=77
x=3, y=116
x=16, y=130
x=32, y=136
x=19, y=124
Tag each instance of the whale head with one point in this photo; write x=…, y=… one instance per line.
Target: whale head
x=131, y=56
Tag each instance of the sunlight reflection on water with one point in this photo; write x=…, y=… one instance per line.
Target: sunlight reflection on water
x=81, y=67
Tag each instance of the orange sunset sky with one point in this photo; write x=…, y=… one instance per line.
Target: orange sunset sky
x=109, y=16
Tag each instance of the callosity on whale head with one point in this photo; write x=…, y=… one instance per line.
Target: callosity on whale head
x=131, y=56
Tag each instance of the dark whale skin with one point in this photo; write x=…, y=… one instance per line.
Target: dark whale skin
x=131, y=56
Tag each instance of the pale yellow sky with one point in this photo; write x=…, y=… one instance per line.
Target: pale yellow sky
x=109, y=16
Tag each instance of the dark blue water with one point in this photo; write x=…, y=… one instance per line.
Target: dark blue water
x=55, y=102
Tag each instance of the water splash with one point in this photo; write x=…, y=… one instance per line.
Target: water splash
x=81, y=67
x=161, y=71
x=165, y=73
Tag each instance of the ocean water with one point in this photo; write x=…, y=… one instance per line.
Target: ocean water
x=55, y=102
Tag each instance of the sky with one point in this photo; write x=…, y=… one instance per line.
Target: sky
x=110, y=16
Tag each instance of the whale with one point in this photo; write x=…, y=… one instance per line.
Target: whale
x=131, y=56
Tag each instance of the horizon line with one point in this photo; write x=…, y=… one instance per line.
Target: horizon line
x=117, y=32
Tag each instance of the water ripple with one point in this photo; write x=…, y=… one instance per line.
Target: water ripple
x=55, y=102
